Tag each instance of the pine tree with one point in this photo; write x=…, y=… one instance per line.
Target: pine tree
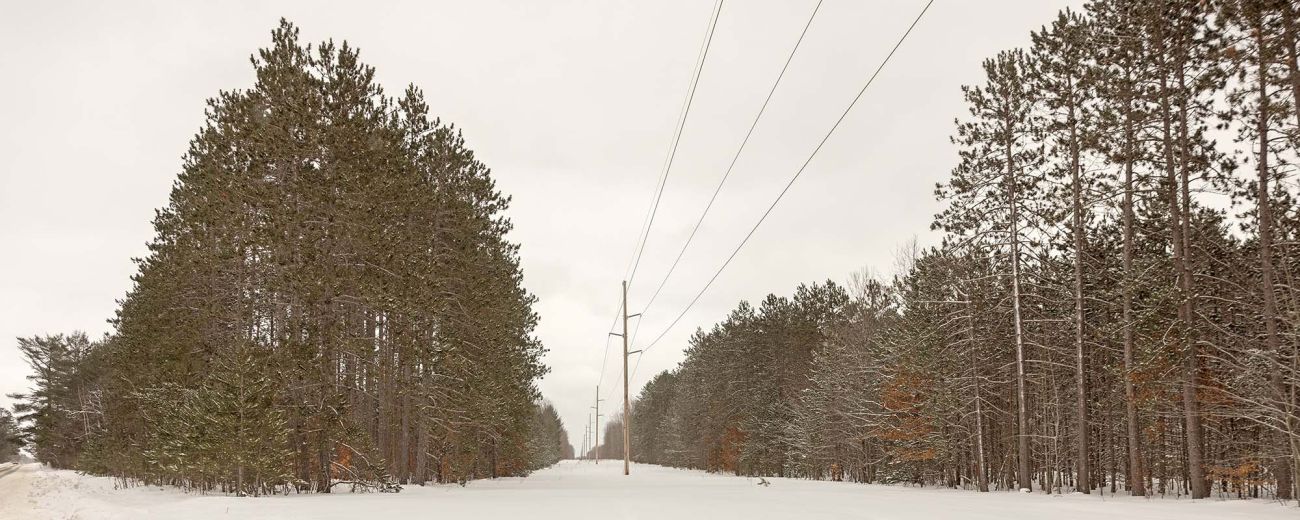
x=1062, y=74
x=57, y=416
x=330, y=299
x=991, y=194
x=11, y=439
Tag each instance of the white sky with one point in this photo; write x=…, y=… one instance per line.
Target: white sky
x=572, y=105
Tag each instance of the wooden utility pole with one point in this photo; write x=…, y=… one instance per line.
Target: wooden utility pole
x=595, y=428
x=627, y=416
x=627, y=402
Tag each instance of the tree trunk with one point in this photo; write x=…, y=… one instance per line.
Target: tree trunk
x=981, y=466
x=1179, y=228
x=1022, y=416
x=1136, y=478
x=1081, y=397
x=1264, y=218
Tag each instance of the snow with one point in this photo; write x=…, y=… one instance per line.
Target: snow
x=582, y=490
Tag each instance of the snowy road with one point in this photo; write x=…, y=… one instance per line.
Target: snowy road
x=575, y=490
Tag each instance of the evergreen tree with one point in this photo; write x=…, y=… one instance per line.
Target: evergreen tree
x=330, y=298
x=58, y=416
x=992, y=199
x=11, y=439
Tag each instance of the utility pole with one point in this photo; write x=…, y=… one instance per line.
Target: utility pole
x=595, y=428
x=626, y=416
x=627, y=402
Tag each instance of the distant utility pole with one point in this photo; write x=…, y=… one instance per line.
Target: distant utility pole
x=595, y=428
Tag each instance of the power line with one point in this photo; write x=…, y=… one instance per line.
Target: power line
x=654, y=194
x=644, y=236
x=734, y=158
x=797, y=173
x=677, y=138
x=605, y=358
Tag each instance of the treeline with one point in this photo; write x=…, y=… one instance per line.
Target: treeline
x=11, y=440
x=330, y=299
x=548, y=440
x=1114, y=304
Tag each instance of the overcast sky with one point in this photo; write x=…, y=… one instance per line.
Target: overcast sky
x=572, y=105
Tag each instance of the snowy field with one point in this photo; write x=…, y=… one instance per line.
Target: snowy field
x=574, y=490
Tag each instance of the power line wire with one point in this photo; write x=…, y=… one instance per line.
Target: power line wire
x=734, y=159
x=654, y=194
x=672, y=153
x=644, y=236
x=797, y=173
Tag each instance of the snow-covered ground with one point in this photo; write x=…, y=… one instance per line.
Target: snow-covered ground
x=574, y=490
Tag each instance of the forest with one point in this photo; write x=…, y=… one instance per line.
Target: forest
x=330, y=301
x=1113, y=307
